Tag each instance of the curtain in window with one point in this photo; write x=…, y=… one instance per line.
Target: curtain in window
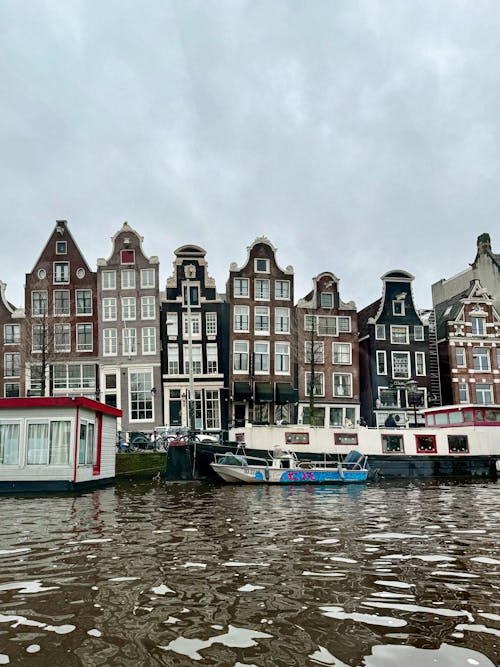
x=91, y=450
x=9, y=444
x=60, y=436
x=38, y=444
x=82, y=444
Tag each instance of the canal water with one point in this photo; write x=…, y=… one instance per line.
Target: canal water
x=156, y=573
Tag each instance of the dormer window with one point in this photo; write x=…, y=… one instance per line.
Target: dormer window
x=477, y=326
x=261, y=265
x=398, y=308
x=127, y=256
x=326, y=300
x=61, y=247
x=61, y=272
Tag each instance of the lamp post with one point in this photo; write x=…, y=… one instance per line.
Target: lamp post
x=413, y=397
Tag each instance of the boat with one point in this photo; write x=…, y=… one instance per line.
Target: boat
x=283, y=467
x=457, y=441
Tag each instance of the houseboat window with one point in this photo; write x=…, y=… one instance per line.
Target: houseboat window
x=456, y=417
x=430, y=420
x=492, y=415
x=48, y=443
x=468, y=416
x=335, y=416
x=392, y=443
x=441, y=418
x=426, y=444
x=478, y=416
x=297, y=438
x=9, y=444
x=86, y=444
x=458, y=443
x=318, y=419
x=350, y=439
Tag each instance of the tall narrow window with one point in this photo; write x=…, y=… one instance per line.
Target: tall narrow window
x=381, y=363
x=148, y=308
x=261, y=289
x=62, y=337
x=420, y=363
x=261, y=319
x=61, y=272
x=148, y=340
x=39, y=303
x=109, y=340
x=172, y=324
x=147, y=278
x=129, y=341
x=282, y=358
x=212, y=361
x=173, y=359
x=282, y=289
x=481, y=358
x=261, y=357
x=211, y=324
x=84, y=302
x=109, y=309
x=127, y=277
x=342, y=384
x=240, y=356
x=282, y=320
x=315, y=383
x=108, y=280
x=141, y=398
x=128, y=308
x=240, y=287
x=84, y=339
x=212, y=404
x=61, y=302
x=241, y=318
x=478, y=327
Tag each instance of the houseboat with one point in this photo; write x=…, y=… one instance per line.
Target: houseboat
x=456, y=441
x=56, y=443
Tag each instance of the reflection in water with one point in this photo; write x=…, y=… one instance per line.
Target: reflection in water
x=171, y=574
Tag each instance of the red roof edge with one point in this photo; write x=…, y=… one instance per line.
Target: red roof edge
x=59, y=402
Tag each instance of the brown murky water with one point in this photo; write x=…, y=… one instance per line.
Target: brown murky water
x=193, y=573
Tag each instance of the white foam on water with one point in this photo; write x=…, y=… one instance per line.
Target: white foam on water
x=395, y=584
x=234, y=563
x=94, y=633
x=461, y=575
x=486, y=560
x=33, y=648
x=341, y=559
x=479, y=531
x=8, y=552
x=27, y=586
x=329, y=540
x=162, y=590
x=428, y=558
x=392, y=595
x=246, y=664
x=417, y=608
x=124, y=579
x=4, y=659
x=478, y=628
x=91, y=556
x=94, y=540
x=190, y=530
x=390, y=655
x=298, y=539
x=248, y=588
x=324, y=657
x=490, y=617
x=394, y=536
x=194, y=565
x=234, y=637
x=370, y=619
x=171, y=620
x=61, y=629
x=166, y=530
x=307, y=573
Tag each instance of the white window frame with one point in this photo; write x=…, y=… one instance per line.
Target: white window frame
x=380, y=329
x=44, y=301
x=241, y=287
x=67, y=311
x=195, y=320
x=148, y=340
x=421, y=332
x=396, y=303
x=421, y=356
x=211, y=323
x=314, y=348
x=13, y=355
x=148, y=308
x=263, y=282
x=267, y=264
x=15, y=339
x=109, y=342
x=461, y=357
x=241, y=354
x=196, y=359
x=342, y=395
x=148, y=398
x=485, y=355
x=173, y=367
x=340, y=328
x=212, y=359
x=319, y=379
x=77, y=311
x=475, y=320
x=172, y=324
x=129, y=341
x=401, y=377
x=261, y=348
x=64, y=273
x=148, y=278
x=109, y=309
x=349, y=356
x=239, y=315
x=282, y=319
x=323, y=298
x=381, y=356
x=127, y=278
x=465, y=386
x=279, y=289
x=263, y=314
x=282, y=354
x=398, y=342
x=108, y=280
x=79, y=346
x=63, y=327
x=129, y=308
x=481, y=389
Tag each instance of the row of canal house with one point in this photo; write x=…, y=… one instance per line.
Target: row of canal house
x=191, y=355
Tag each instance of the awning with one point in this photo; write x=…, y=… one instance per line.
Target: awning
x=285, y=393
x=263, y=392
x=242, y=391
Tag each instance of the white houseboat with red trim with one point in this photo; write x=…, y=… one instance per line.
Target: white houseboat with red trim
x=56, y=443
x=456, y=441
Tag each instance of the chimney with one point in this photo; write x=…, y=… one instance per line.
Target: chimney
x=483, y=244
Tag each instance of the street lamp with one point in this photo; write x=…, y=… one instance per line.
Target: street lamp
x=413, y=397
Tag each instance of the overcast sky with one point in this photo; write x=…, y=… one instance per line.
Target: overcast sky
x=358, y=136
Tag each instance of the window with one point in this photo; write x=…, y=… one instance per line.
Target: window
x=326, y=300
x=11, y=334
x=344, y=324
x=420, y=363
x=426, y=444
x=342, y=353
x=141, y=398
x=127, y=279
x=212, y=360
x=478, y=328
x=282, y=320
x=108, y=280
x=240, y=356
x=109, y=309
x=127, y=256
x=401, y=365
x=460, y=357
x=11, y=364
x=241, y=318
x=84, y=342
x=484, y=394
x=211, y=324
x=399, y=335
x=282, y=357
x=481, y=358
x=342, y=384
x=380, y=331
x=129, y=341
x=398, y=308
x=418, y=332
x=62, y=337
x=61, y=302
x=261, y=357
x=195, y=320
x=35, y=379
x=336, y=418
x=61, y=248
x=172, y=324
x=9, y=443
x=463, y=392
x=109, y=340
x=39, y=338
x=61, y=272
x=261, y=289
x=86, y=444
x=310, y=323
x=147, y=278
x=458, y=444
x=317, y=419
x=315, y=382
x=173, y=359
x=381, y=363
x=282, y=289
x=191, y=297
x=148, y=308
x=195, y=358
x=84, y=302
x=262, y=319
x=392, y=444
x=241, y=288
x=39, y=303
x=261, y=265
x=327, y=326
x=314, y=352
x=71, y=376
x=149, y=340
x=388, y=397
x=48, y=443
x=12, y=390
x=212, y=408
x=128, y=308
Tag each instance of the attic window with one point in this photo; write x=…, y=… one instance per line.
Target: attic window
x=398, y=308
x=61, y=247
x=261, y=265
x=326, y=300
x=127, y=256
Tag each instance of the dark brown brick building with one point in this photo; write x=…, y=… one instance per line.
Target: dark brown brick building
x=11, y=321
